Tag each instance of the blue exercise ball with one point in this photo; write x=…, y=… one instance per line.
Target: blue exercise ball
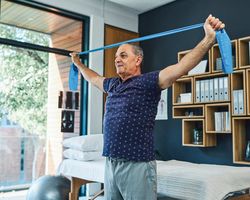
x=49, y=188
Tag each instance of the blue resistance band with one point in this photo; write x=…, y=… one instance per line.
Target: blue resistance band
x=222, y=38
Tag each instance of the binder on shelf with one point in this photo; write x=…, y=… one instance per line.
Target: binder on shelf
x=202, y=83
x=211, y=90
x=223, y=123
x=235, y=102
x=221, y=92
x=206, y=89
x=241, y=101
x=216, y=89
x=217, y=121
x=225, y=88
x=227, y=120
x=197, y=91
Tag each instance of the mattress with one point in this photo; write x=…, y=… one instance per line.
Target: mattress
x=176, y=179
x=185, y=180
x=88, y=170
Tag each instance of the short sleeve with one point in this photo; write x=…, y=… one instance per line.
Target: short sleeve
x=151, y=81
x=108, y=83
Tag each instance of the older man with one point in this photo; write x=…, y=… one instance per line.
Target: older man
x=131, y=107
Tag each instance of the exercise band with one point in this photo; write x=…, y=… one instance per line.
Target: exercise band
x=223, y=40
x=147, y=37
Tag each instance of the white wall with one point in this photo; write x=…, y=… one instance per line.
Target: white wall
x=100, y=12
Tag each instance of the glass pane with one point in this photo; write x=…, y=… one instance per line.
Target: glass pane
x=24, y=35
x=23, y=116
x=30, y=82
x=58, y=27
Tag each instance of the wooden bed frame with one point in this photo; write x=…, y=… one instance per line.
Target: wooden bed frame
x=76, y=183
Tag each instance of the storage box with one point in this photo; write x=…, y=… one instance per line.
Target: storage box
x=186, y=97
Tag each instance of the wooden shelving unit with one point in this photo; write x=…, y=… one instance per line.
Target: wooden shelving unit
x=241, y=134
x=200, y=113
x=188, y=111
x=182, y=86
x=216, y=54
x=244, y=53
x=208, y=140
x=210, y=110
x=238, y=82
x=207, y=97
x=206, y=57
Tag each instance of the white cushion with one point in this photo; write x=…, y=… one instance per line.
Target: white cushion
x=85, y=143
x=82, y=156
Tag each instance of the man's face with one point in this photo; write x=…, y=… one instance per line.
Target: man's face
x=126, y=62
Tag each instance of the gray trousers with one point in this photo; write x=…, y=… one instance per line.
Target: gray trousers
x=128, y=180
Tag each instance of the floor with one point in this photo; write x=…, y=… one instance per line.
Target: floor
x=21, y=195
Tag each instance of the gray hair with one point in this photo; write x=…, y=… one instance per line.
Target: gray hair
x=138, y=51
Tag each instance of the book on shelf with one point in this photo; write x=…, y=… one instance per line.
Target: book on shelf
x=222, y=121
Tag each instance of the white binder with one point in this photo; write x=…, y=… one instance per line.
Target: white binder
x=198, y=91
x=228, y=128
x=241, y=101
x=216, y=89
x=202, y=83
x=225, y=88
x=211, y=90
x=217, y=121
x=221, y=91
x=235, y=102
x=206, y=88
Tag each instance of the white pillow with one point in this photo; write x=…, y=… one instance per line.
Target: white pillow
x=85, y=143
x=82, y=156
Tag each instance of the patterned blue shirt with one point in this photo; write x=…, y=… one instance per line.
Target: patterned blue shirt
x=131, y=107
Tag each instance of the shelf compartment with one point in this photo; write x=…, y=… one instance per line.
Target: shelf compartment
x=223, y=123
x=188, y=111
x=241, y=134
x=206, y=57
x=238, y=94
x=216, y=55
x=244, y=52
x=188, y=126
x=218, y=95
x=182, y=86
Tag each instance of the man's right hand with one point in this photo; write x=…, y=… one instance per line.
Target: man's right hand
x=88, y=74
x=75, y=58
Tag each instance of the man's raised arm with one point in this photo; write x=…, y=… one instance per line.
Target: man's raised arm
x=171, y=73
x=88, y=74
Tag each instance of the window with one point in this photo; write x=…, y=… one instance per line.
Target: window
x=34, y=64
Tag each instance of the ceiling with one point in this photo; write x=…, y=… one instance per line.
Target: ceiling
x=33, y=19
x=141, y=5
x=45, y=22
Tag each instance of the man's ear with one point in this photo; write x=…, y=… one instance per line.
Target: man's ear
x=139, y=60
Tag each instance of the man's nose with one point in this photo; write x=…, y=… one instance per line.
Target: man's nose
x=117, y=60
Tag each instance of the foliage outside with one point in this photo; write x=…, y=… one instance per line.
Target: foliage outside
x=24, y=80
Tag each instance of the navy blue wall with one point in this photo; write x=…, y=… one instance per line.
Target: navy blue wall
x=163, y=51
